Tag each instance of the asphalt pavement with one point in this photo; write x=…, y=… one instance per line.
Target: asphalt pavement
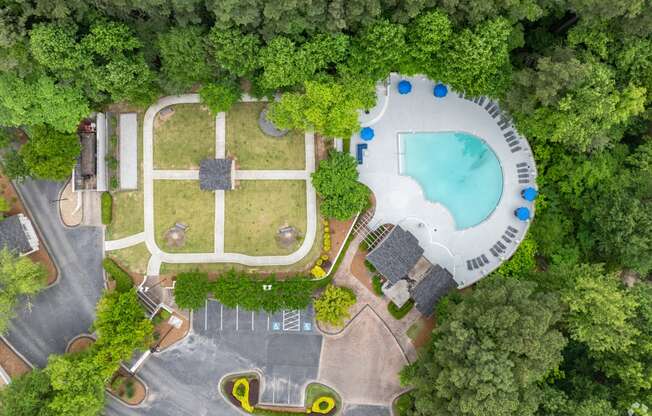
x=46, y=322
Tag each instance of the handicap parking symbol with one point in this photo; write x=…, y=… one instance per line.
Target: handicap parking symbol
x=307, y=326
x=276, y=326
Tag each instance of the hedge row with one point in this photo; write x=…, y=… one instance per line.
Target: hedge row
x=248, y=291
x=107, y=208
x=399, y=313
x=123, y=282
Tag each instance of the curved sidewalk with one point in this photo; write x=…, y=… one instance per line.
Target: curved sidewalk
x=121, y=243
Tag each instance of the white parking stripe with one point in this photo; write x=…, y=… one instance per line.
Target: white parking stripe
x=221, y=317
x=289, y=378
x=252, y=320
x=268, y=322
x=236, y=317
x=206, y=316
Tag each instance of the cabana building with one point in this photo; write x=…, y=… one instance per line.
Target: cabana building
x=398, y=257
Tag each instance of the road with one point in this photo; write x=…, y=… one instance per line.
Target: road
x=46, y=322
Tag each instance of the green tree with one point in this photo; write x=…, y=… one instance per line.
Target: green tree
x=522, y=262
x=477, y=61
x=18, y=276
x=55, y=47
x=377, y=50
x=600, y=312
x=490, y=354
x=427, y=37
x=474, y=12
x=122, y=328
x=191, y=290
x=220, y=96
x=332, y=307
x=234, y=51
x=50, y=154
x=572, y=102
x=336, y=182
x=328, y=108
x=77, y=383
x=183, y=58
x=4, y=205
x=39, y=99
x=14, y=166
x=27, y=395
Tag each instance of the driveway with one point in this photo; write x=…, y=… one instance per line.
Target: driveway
x=46, y=322
x=184, y=379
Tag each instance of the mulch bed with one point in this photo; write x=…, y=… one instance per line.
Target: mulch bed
x=81, y=343
x=11, y=362
x=339, y=230
x=16, y=207
x=254, y=391
x=424, y=335
x=359, y=270
x=139, y=388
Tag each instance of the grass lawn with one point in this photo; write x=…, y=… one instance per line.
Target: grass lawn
x=317, y=390
x=134, y=258
x=184, y=202
x=128, y=206
x=256, y=211
x=185, y=138
x=254, y=149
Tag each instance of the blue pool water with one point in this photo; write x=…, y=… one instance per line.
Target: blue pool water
x=457, y=170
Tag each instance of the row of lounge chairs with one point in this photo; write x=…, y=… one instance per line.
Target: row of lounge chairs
x=524, y=173
x=477, y=262
x=503, y=122
x=509, y=237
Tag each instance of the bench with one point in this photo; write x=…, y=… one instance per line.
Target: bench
x=358, y=151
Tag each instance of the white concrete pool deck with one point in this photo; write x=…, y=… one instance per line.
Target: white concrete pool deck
x=400, y=199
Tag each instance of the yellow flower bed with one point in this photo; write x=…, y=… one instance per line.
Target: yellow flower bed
x=244, y=398
x=317, y=405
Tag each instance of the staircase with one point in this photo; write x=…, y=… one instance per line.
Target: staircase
x=148, y=304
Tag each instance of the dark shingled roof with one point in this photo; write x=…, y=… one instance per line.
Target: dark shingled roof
x=396, y=255
x=435, y=284
x=13, y=236
x=215, y=174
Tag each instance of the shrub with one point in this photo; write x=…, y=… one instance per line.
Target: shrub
x=377, y=284
x=4, y=204
x=123, y=282
x=333, y=305
x=522, y=262
x=404, y=404
x=370, y=266
x=220, y=96
x=241, y=393
x=318, y=272
x=191, y=290
x=364, y=246
x=107, y=208
x=399, y=313
x=323, y=405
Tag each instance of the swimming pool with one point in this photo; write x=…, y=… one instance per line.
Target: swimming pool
x=455, y=169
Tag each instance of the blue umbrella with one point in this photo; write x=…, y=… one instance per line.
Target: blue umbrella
x=522, y=213
x=529, y=194
x=367, y=134
x=404, y=87
x=440, y=90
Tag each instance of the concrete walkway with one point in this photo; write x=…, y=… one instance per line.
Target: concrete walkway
x=132, y=240
x=218, y=256
x=176, y=174
x=263, y=175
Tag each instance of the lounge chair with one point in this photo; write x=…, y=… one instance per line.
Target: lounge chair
x=509, y=134
x=513, y=143
x=521, y=164
x=493, y=251
x=509, y=233
x=360, y=147
x=512, y=229
x=486, y=261
x=481, y=101
x=469, y=265
x=501, y=245
x=489, y=105
x=507, y=240
x=523, y=181
x=522, y=170
x=516, y=149
x=475, y=263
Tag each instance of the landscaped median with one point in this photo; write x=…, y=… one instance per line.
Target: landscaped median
x=243, y=391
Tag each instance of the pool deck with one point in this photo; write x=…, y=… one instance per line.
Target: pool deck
x=400, y=199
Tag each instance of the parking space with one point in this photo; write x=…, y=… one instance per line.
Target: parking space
x=284, y=345
x=215, y=317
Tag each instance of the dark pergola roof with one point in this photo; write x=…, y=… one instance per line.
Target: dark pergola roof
x=434, y=285
x=215, y=174
x=12, y=236
x=396, y=255
x=87, y=156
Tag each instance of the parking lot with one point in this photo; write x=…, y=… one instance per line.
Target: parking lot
x=285, y=346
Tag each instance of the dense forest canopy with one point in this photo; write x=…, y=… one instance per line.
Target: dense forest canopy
x=575, y=76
